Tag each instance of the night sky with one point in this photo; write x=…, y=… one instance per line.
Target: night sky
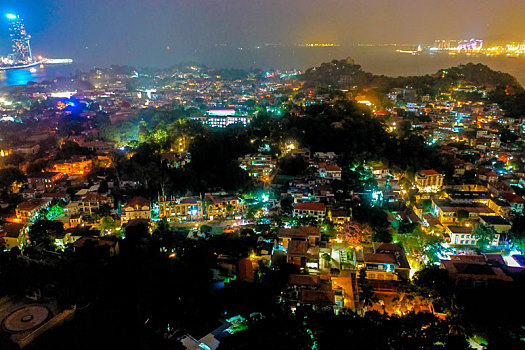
x=139, y=31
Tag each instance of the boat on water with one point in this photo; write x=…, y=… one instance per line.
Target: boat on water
x=19, y=66
x=4, y=67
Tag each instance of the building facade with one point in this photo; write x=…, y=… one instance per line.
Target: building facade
x=429, y=181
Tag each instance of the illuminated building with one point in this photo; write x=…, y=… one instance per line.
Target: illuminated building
x=330, y=171
x=136, y=208
x=339, y=216
x=80, y=166
x=93, y=201
x=380, y=171
x=221, y=112
x=223, y=121
x=11, y=233
x=300, y=245
x=312, y=209
x=44, y=181
x=180, y=209
x=259, y=166
x=20, y=40
x=470, y=45
x=28, y=211
x=223, y=117
x=447, y=211
x=429, y=181
x=457, y=45
x=384, y=265
x=222, y=206
x=5, y=152
x=516, y=202
x=470, y=271
x=461, y=235
x=98, y=146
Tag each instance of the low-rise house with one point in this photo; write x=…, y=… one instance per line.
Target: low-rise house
x=180, y=209
x=470, y=271
x=72, y=221
x=330, y=171
x=461, y=235
x=259, y=166
x=385, y=265
x=27, y=211
x=339, y=216
x=10, y=234
x=222, y=206
x=380, y=171
x=516, y=202
x=448, y=212
x=44, y=181
x=100, y=147
x=72, y=209
x=312, y=209
x=111, y=247
x=300, y=245
x=499, y=224
x=92, y=202
x=488, y=176
x=27, y=149
x=73, y=166
x=500, y=188
x=136, y=208
x=429, y=181
x=304, y=233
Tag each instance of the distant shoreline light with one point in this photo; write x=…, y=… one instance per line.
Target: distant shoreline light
x=321, y=45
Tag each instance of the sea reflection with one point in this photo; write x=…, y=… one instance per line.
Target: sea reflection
x=34, y=74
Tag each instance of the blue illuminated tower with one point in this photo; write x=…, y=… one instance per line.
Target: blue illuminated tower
x=20, y=40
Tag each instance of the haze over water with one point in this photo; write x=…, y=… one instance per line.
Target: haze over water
x=378, y=60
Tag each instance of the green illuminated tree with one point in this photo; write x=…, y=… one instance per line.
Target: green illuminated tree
x=108, y=226
x=422, y=243
x=484, y=235
x=427, y=205
x=54, y=212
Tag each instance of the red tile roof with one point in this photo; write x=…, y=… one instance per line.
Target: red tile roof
x=137, y=201
x=512, y=198
x=310, y=206
x=298, y=248
x=429, y=172
x=304, y=280
x=299, y=232
x=380, y=258
x=329, y=167
x=459, y=229
x=11, y=230
x=317, y=297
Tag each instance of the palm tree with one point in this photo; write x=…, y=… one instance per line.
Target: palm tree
x=366, y=293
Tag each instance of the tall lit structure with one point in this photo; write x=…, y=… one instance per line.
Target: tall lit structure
x=20, y=40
